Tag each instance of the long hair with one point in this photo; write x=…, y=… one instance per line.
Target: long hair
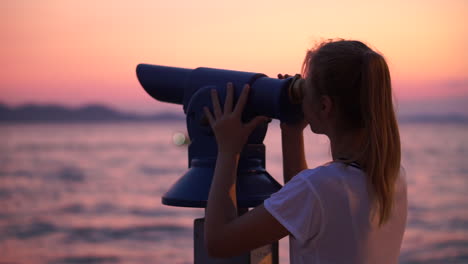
x=357, y=79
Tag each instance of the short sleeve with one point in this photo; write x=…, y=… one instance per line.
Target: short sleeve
x=297, y=207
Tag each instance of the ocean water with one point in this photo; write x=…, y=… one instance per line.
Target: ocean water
x=91, y=193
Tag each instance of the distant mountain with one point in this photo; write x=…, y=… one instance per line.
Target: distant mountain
x=100, y=113
x=89, y=113
x=447, y=118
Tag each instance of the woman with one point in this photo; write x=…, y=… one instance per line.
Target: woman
x=350, y=210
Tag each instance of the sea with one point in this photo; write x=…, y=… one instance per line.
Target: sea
x=91, y=192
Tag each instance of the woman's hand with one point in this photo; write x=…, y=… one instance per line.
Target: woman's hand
x=281, y=76
x=292, y=128
x=292, y=142
x=226, y=233
x=231, y=134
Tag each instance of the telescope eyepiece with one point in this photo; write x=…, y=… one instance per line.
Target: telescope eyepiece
x=296, y=89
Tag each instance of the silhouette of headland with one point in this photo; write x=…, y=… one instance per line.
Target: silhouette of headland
x=89, y=113
x=34, y=113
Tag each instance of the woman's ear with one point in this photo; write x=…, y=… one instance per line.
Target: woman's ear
x=326, y=106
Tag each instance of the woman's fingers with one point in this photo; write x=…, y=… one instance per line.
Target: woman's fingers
x=255, y=122
x=228, y=104
x=209, y=116
x=242, y=100
x=285, y=76
x=229, y=98
x=216, y=106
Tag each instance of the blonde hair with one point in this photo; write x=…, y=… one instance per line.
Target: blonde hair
x=357, y=79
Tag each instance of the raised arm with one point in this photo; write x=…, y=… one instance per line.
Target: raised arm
x=226, y=233
x=292, y=142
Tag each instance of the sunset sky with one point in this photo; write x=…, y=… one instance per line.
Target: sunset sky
x=80, y=52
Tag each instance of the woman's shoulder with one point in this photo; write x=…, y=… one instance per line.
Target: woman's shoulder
x=327, y=169
x=329, y=174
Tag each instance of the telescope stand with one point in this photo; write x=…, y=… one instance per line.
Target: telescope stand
x=267, y=254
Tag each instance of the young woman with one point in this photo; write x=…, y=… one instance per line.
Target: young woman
x=350, y=210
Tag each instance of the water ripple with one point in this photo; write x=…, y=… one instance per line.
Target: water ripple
x=140, y=233
x=151, y=170
x=94, y=234
x=33, y=230
x=70, y=174
x=86, y=260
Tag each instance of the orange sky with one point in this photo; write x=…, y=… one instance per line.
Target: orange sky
x=79, y=52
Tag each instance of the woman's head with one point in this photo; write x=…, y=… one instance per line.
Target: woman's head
x=334, y=70
x=348, y=89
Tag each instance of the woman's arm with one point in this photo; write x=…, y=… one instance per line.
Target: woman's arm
x=227, y=234
x=292, y=141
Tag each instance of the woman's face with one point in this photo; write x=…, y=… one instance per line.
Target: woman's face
x=311, y=105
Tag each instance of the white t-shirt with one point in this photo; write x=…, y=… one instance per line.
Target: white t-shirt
x=327, y=211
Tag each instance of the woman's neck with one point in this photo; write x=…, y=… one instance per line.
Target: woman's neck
x=348, y=145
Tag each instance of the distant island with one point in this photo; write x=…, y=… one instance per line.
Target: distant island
x=445, y=118
x=89, y=113
x=31, y=113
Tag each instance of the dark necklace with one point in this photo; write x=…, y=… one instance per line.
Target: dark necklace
x=355, y=164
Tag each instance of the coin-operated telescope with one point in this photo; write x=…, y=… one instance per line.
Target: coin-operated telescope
x=271, y=97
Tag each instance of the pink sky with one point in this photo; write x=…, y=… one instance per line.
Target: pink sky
x=81, y=52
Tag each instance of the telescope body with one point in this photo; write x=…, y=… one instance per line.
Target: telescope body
x=268, y=96
x=191, y=88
